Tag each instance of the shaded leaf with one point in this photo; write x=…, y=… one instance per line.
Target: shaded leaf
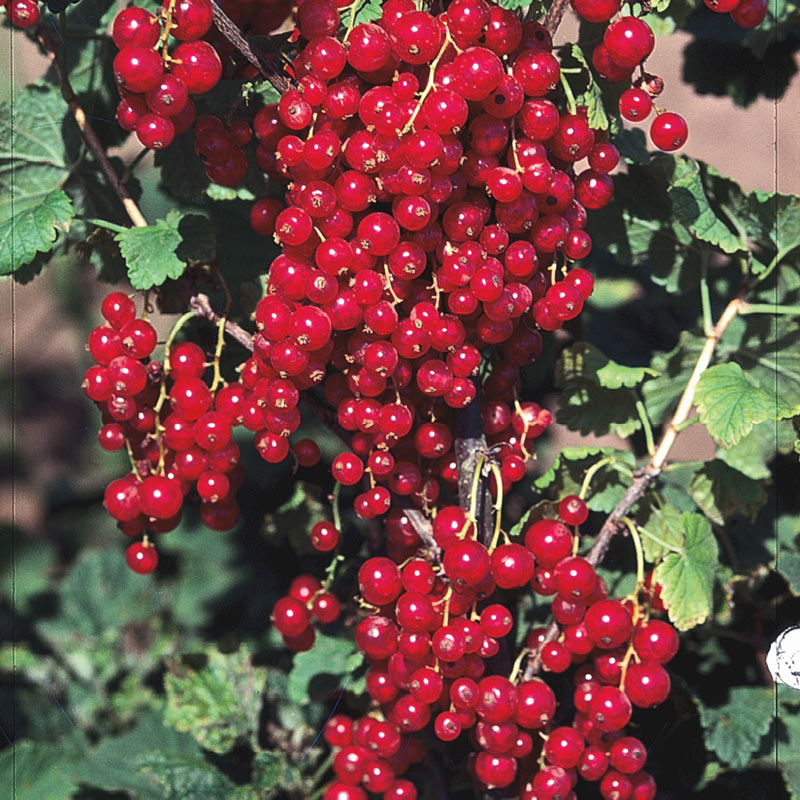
x=323, y=668
x=733, y=731
x=692, y=207
x=587, y=404
x=687, y=578
x=722, y=491
x=34, y=771
x=219, y=703
x=116, y=763
x=272, y=774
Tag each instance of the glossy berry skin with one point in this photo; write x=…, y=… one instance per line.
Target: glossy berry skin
x=466, y=562
x=608, y=624
x=192, y=19
x=290, y=616
x=669, y=131
x=379, y=581
x=137, y=69
x=635, y=104
x=656, y=640
x=141, y=558
x=324, y=536
x=575, y=577
x=573, y=510
x=563, y=747
x=135, y=26
x=629, y=40
x=647, y=684
x=549, y=540
x=610, y=709
x=155, y=132
x=198, y=65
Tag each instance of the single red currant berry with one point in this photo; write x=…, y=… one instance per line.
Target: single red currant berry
x=573, y=510
x=141, y=557
x=290, y=616
x=647, y=684
x=610, y=709
x=635, y=104
x=669, y=131
x=563, y=747
x=609, y=624
x=656, y=640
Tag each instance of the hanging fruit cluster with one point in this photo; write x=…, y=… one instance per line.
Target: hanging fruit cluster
x=438, y=175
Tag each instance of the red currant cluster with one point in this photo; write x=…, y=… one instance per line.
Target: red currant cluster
x=627, y=42
x=154, y=83
x=175, y=447
x=307, y=602
x=427, y=645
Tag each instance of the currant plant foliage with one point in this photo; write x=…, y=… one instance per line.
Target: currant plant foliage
x=348, y=327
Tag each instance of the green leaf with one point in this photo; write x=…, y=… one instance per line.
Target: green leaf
x=733, y=731
x=662, y=534
x=588, y=404
x=272, y=774
x=218, y=704
x=181, y=777
x=33, y=230
x=729, y=403
x=206, y=574
x=692, y=207
x=756, y=449
x=687, y=578
x=152, y=253
x=785, y=748
x=319, y=671
x=35, y=771
x=116, y=763
x=98, y=599
x=366, y=11
x=513, y=5
x=40, y=145
x=721, y=491
x=787, y=555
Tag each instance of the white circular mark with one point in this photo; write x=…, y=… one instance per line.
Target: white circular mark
x=783, y=659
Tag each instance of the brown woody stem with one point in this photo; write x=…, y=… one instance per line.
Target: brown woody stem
x=87, y=131
x=645, y=477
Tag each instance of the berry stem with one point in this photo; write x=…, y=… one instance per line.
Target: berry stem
x=201, y=307
x=768, y=308
x=337, y=514
x=571, y=104
x=637, y=543
x=590, y=473
x=431, y=82
x=498, y=507
x=648, y=429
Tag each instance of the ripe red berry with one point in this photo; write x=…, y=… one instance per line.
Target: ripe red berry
x=669, y=131
x=141, y=557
